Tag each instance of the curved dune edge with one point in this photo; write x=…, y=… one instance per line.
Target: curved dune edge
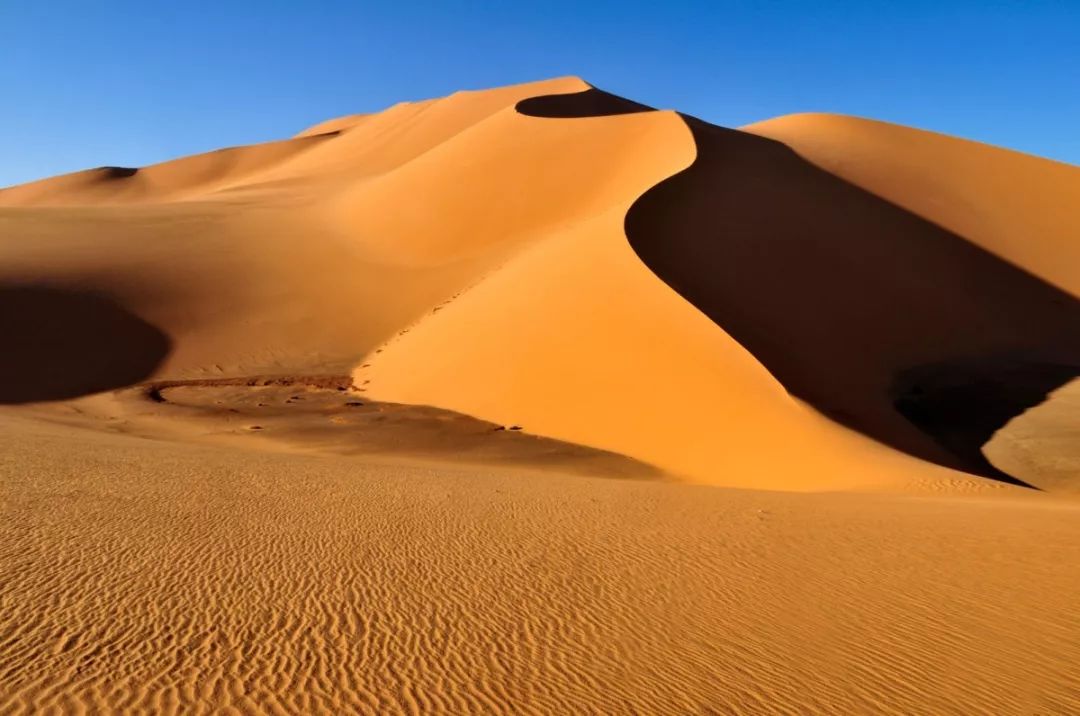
x=772, y=317
x=615, y=359
x=881, y=320
x=1019, y=207
x=511, y=263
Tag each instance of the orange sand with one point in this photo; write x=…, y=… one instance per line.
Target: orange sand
x=403, y=415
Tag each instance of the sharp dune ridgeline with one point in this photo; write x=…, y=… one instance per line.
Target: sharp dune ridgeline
x=500, y=403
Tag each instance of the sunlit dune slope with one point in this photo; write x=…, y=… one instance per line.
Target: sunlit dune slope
x=880, y=320
x=180, y=178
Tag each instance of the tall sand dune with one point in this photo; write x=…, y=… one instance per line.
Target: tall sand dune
x=880, y=320
x=598, y=272
x=273, y=271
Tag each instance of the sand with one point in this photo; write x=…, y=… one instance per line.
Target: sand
x=1011, y=204
x=189, y=579
x=538, y=400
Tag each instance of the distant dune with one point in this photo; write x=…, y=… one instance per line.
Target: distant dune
x=315, y=425
x=1014, y=205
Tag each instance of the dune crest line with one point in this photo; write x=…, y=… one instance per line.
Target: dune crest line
x=879, y=319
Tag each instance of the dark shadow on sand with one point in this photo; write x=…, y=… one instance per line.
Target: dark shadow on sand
x=878, y=318
x=118, y=172
x=60, y=344
x=590, y=103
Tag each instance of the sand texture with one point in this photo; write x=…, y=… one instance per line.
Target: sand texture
x=539, y=400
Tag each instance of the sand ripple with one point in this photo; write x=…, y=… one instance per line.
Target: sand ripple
x=149, y=577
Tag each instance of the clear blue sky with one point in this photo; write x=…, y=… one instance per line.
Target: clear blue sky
x=97, y=82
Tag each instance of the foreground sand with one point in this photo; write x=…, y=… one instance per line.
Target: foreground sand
x=151, y=576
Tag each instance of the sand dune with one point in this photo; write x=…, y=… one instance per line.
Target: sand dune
x=839, y=296
x=392, y=416
x=1011, y=204
x=177, y=179
x=1042, y=445
x=1015, y=206
x=881, y=320
x=276, y=273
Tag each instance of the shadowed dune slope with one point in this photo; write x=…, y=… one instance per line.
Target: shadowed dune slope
x=880, y=319
x=592, y=102
x=60, y=344
x=1019, y=207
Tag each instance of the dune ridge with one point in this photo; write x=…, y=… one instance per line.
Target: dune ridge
x=171, y=180
x=1011, y=204
x=449, y=275
x=910, y=394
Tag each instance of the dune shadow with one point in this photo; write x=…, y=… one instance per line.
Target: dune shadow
x=962, y=405
x=879, y=319
x=118, y=172
x=590, y=103
x=61, y=344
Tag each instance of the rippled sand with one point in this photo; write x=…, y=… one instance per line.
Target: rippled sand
x=148, y=576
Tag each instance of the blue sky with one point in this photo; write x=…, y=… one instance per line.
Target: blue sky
x=87, y=83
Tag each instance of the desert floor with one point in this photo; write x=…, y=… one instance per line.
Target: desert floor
x=144, y=574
